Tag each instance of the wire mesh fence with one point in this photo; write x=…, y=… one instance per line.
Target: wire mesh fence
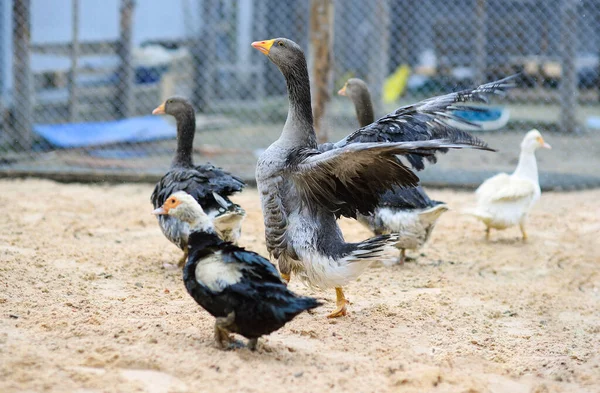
x=78, y=80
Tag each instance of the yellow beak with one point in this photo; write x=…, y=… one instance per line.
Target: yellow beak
x=160, y=110
x=263, y=46
x=342, y=91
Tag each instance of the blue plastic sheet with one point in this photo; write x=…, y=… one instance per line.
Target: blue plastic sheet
x=137, y=129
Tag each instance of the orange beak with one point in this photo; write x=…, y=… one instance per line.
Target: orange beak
x=342, y=91
x=160, y=110
x=544, y=144
x=263, y=46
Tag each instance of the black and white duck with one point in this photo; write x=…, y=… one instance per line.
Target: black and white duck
x=409, y=212
x=304, y=187
x=240, y=288
x=209, y=185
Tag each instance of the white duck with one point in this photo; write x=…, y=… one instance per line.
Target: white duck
x=504, y=200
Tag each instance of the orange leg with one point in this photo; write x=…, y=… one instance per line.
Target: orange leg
x=341, y=304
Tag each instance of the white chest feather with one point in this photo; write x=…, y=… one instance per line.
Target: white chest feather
x=216, y=275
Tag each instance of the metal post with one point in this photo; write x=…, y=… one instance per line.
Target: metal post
x=205, y=55
x=125, y=96
x=321, y=47
x=22, y=85
x=73, y=111
x=480, y=41
x=568, y=82
x=2, y=31
x=404, y=21
x=259, y=25
x=379, y=68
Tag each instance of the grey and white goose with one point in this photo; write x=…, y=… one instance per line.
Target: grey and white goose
x=209, y=185
x=240, y=288
x=304, y=187
x=409, y=212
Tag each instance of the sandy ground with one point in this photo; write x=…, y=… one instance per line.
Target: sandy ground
x=87, y=305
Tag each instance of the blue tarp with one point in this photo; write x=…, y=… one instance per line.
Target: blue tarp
x=137, y=129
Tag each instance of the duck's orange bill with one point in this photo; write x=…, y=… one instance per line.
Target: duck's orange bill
x=342, y=91
x=263, y=46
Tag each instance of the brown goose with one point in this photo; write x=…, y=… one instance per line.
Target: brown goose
x=409, y=212
x=304, y=187
x=209, y=185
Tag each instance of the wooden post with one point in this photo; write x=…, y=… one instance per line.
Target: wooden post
x=73, y=111
x=480, y=42
x=568, y=80
x=321, y=48
x=22, y=86
x=378, y=67
x=125, y=98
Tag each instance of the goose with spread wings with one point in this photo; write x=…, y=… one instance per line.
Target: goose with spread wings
x=409, y=212
x=305, y=187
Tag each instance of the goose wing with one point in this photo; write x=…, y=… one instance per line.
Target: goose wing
x=200, y=182
x=406, y=198
x=426, y=120
x=352, y=178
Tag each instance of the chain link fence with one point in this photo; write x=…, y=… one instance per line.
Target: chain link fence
x=78, y=80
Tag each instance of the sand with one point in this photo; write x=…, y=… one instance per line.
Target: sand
x=87, y=305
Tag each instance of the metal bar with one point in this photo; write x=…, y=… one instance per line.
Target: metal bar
x=480, y=41
x=258, y=69
x=85, y=48
x=204, y=54
x=2, y=31
x=125, y=100
x=404, y=29
x=73, y=115
x=195, y=47
x=22, y=87
x=568, y=81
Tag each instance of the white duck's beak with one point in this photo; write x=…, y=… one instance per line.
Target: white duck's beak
x=160, y=211
x=543, y=143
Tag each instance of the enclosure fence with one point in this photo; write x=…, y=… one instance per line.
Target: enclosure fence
x=79, y=80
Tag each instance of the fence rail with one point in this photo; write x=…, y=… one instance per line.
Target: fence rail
x=70, y=79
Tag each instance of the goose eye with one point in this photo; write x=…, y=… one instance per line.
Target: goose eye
x=280, y=43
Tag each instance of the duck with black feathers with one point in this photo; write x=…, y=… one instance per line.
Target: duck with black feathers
x=209, y=185
x=409, y=212
x=240, y=288
x=304, y=187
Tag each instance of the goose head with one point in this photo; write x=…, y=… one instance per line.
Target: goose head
x=284, y=53
x=177, y=107
x=354, y=87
